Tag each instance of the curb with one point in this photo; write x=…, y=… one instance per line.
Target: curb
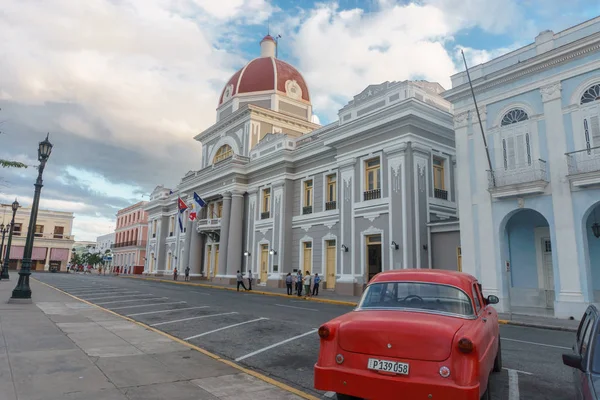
x=337, y=302
x=255, y=374
x=207, y=285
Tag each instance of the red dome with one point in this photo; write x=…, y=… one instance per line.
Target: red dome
x=266, y=74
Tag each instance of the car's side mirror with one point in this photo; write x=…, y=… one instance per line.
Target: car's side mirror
x=573, y=361
x=491, y=299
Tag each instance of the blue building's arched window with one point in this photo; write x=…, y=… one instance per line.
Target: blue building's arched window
x=591, y=95
x=514, y=116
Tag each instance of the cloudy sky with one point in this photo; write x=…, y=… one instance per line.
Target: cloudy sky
x=123, y=85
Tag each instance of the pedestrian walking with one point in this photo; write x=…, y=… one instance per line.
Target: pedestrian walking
x=175, y=273
x=307, y=280
x=187, y=273
x=288, y=283
x=240, y=281
x=299, y=283
x=250, y=278
x=315, y=291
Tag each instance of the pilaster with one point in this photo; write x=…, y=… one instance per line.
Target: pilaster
x=224, y=236
x=234, y=241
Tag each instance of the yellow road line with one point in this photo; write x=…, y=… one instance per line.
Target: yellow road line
x=255, y=374
x=207, y=285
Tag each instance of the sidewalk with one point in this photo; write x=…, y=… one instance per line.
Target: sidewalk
x=326, y=296
x=62, y=348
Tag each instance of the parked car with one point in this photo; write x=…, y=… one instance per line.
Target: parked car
x=585, y=359
x=427, y=334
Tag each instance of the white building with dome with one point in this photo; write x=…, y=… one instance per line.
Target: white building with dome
x=369, y=192
x=530, y=224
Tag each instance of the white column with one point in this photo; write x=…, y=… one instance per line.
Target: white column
x=47, y=262
x=569, y=299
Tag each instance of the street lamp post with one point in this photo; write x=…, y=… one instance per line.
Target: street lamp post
x=22, y=291
x=4, y=273
x=4, y=231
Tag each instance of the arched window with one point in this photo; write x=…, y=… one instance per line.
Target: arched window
x=514, y=116
x=223, y=153
x=591, y=117
x=516, y=140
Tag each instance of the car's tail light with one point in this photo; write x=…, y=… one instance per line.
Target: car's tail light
x=465, y=345
x=324, y=332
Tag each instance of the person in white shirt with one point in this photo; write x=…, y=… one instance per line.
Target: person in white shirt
x=307, y=281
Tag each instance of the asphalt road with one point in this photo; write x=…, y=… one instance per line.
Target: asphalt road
x=277, y=336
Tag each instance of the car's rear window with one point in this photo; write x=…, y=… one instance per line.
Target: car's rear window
x=417, y=296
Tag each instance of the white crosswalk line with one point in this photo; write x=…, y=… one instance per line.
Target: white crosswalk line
x=223, y=328
x=112, y=297
x=192, y=318
x=130, y=300
x=535, y=343
x=513, y=385
x=298, y=308
x=147, y=305
x=275, y=345
x=164, y=311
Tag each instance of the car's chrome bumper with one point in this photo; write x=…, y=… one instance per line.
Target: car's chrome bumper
x=374, y=386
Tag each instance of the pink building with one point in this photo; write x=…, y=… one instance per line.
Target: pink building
x=131, y=234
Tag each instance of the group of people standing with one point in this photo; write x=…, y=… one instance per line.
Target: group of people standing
x=303, y=283
x=187, y=274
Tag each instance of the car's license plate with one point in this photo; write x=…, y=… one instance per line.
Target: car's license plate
x=388, y=366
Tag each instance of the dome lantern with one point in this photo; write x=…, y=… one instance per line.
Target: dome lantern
x=268, y=46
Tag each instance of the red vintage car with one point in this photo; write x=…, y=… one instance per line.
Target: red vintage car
x=416, y=334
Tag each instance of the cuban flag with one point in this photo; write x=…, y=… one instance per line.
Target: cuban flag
x=201, y=203
x=182, y=207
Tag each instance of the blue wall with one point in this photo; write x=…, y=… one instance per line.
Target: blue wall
x=522, y=247
x=543, y=141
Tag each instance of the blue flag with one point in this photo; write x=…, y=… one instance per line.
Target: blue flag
x=201, y=203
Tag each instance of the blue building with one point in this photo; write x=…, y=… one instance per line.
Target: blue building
x=530, y=217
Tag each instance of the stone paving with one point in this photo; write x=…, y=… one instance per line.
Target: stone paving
x=60, y=348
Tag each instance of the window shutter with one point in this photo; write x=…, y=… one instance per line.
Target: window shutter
x=510, y=152
x=595, y=130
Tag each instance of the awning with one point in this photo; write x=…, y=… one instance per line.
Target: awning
x=39, y=253
x=16, y=252
x=59, y=254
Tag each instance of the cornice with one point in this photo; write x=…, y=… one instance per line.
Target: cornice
x=552, y=58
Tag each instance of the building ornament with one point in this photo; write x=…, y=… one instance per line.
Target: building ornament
x=460, y=120
x=551, y=92
x=292, y=89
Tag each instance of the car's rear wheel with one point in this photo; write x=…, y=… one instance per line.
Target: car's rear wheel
x=498, y=359
x=346, y=397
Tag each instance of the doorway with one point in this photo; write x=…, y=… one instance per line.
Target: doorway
x=548, y=271
x=209, y=260
x=307, y=257
x=216, y=266
x=330, y=265
x=373, y=255
x=264, y=262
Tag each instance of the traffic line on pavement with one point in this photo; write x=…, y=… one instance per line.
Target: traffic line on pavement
x=298, y=308
x=519, y=371
x=192, y=318
x=274, y=345
x=126, y=295
x=88, y=293
x=535, y=343
x=164, y=311
x=147, y=305
x=225, y=327
x=130, y=300
x=513, y=385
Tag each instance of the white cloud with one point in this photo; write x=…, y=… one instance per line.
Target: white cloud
x=48, y=204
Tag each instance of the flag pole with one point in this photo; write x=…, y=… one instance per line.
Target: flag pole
x=487, y=151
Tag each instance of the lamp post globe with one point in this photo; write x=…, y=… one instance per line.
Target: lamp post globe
x=22, y=292
x=10, y=229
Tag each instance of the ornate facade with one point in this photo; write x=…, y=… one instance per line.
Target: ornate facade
x=372, y=191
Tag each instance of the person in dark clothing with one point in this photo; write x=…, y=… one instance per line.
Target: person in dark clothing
x=288, y=283
x=250, y=279
x=187, y=273
x=315, y=291
x=175, y=273
x=299, y=283
x=240, y=281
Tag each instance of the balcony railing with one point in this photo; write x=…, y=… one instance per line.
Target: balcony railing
x=440, y=194
x=372, y=194
x=131, y=243
x=265, y=215
x=306, y=210
x=46, y=236
x=519, y=174
x=330, y=205
x=208, y=222
x=582, y=161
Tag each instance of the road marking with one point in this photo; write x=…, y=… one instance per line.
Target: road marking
x=298, y=308
x=112, y=297
x=163, y=311
x=130, y=300
x=223, y=328
x=537, y=344
x=513, y=385
x=518, y=370
x=191, y=318
x=146, y=305
x=109, y=292
x=274, y=345
x=197, y=291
